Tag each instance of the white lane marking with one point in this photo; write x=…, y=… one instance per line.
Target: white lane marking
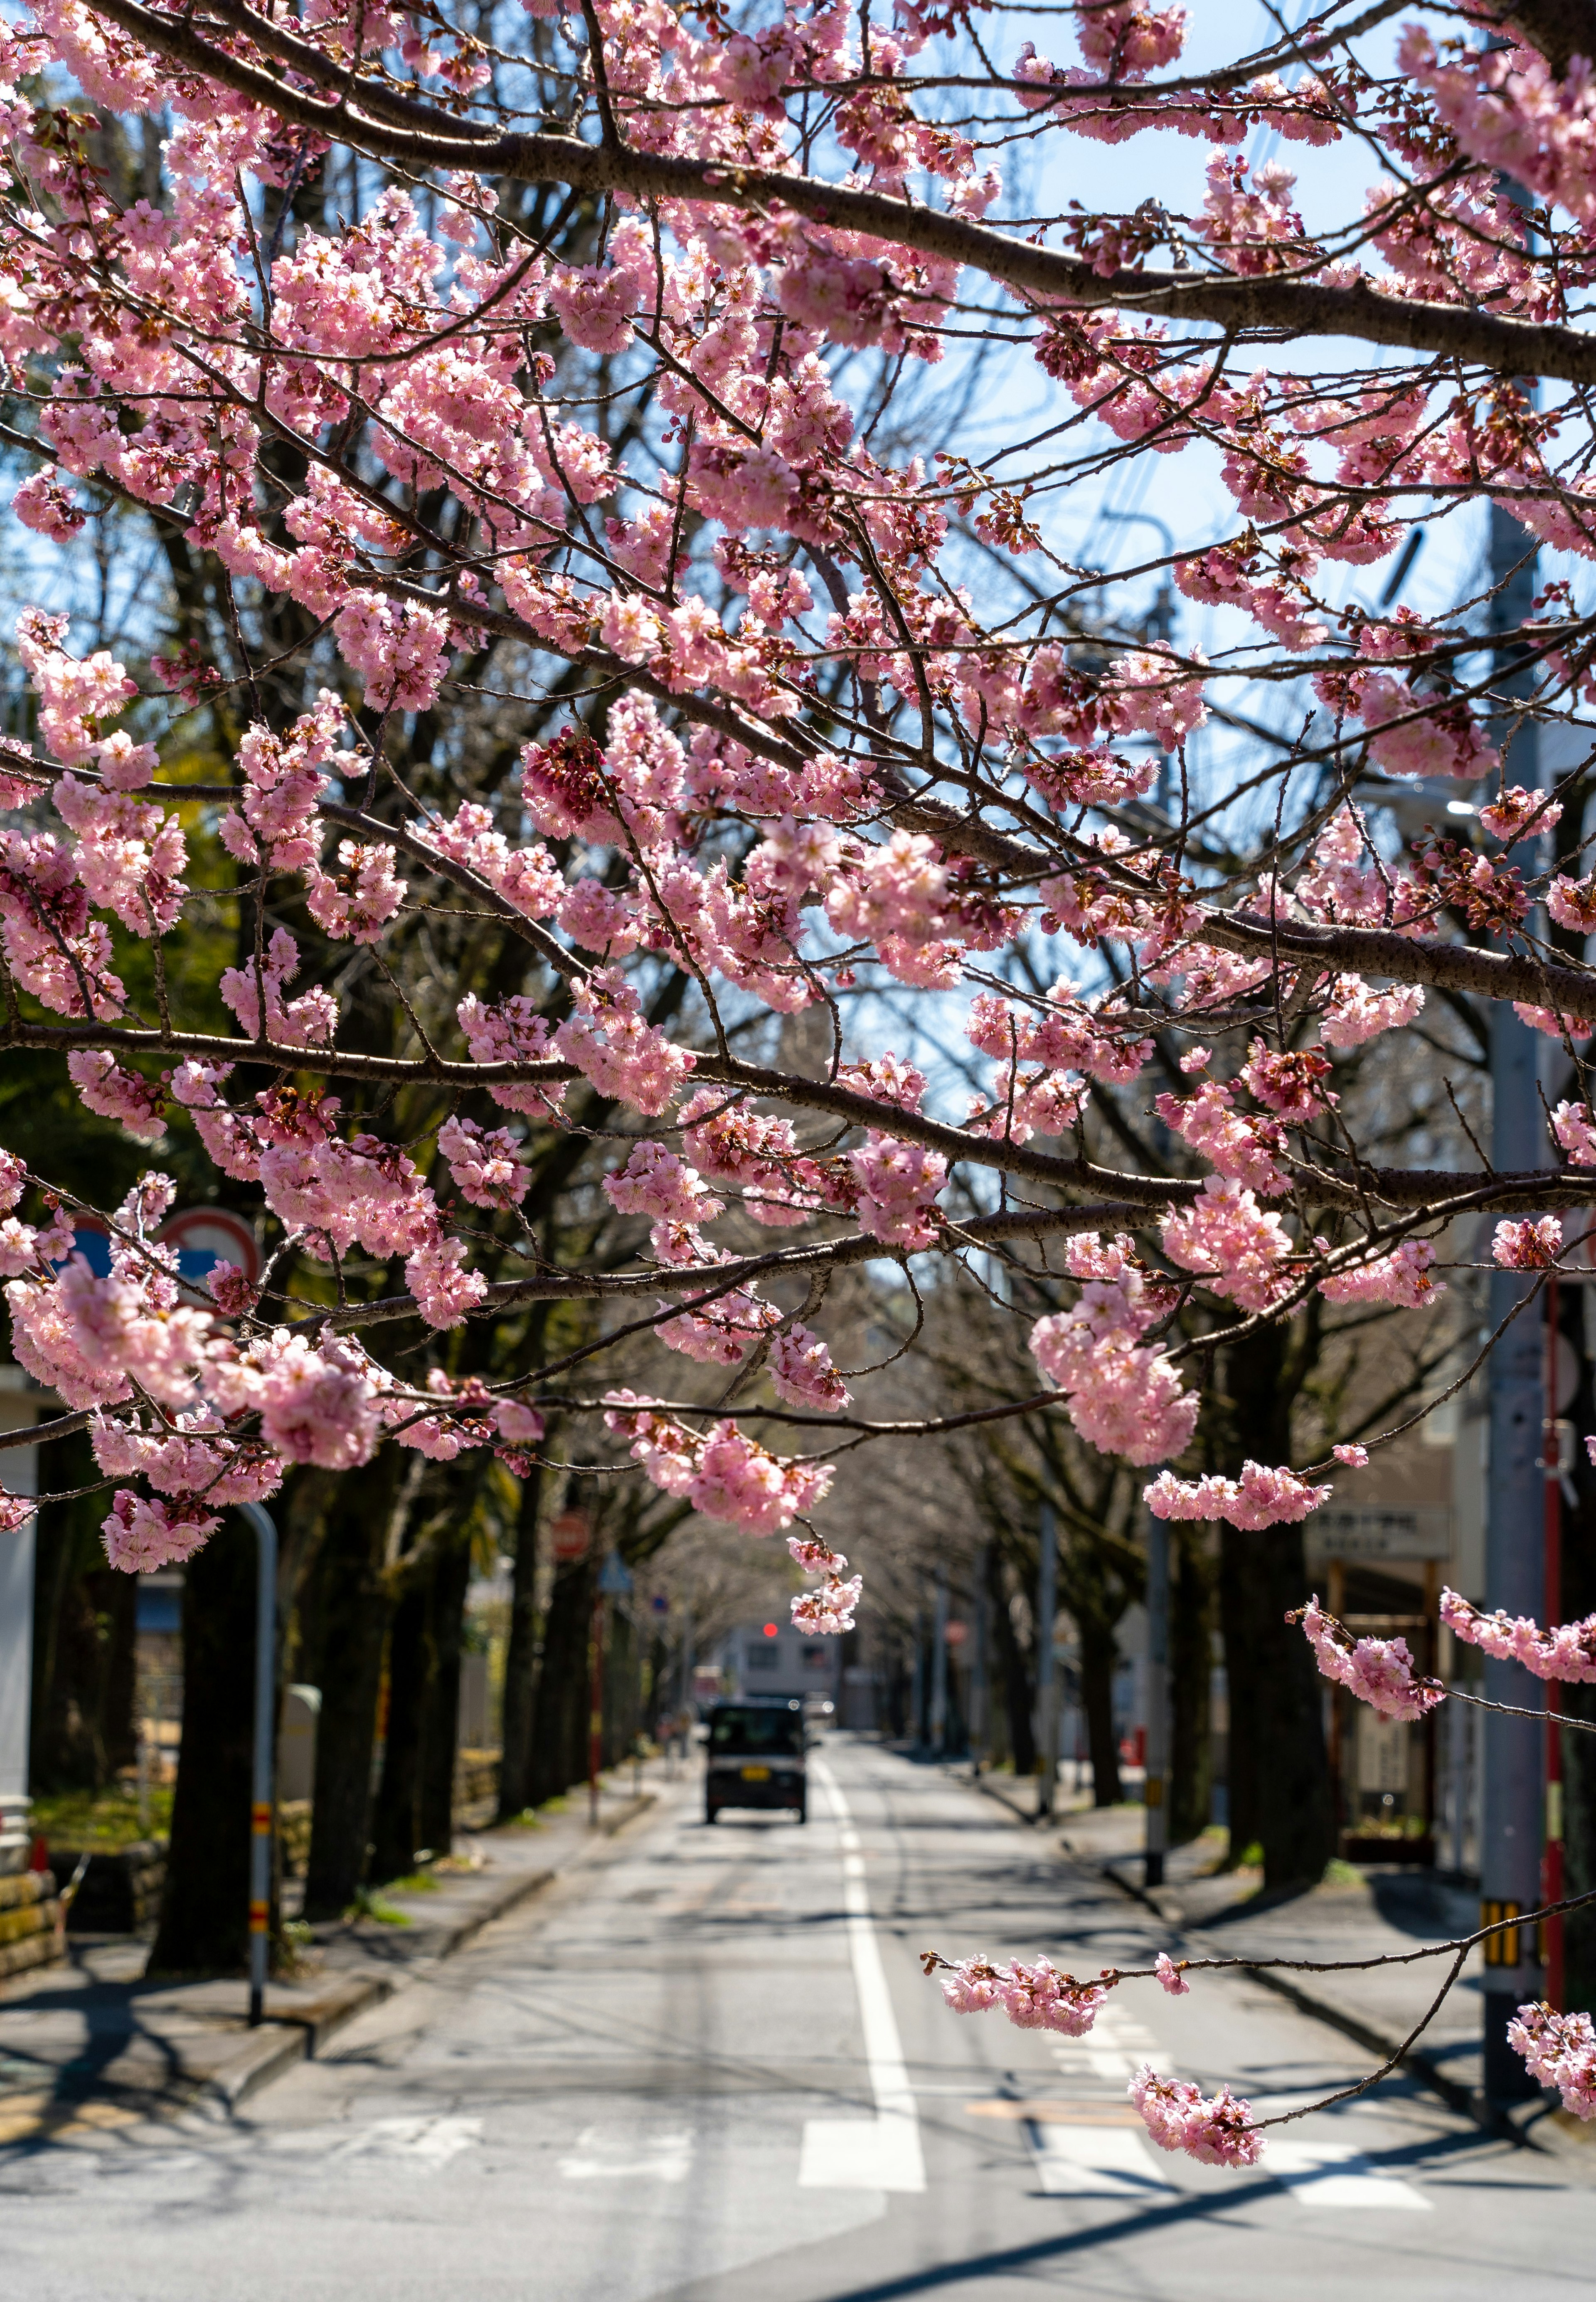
x=1336, y=2174
x=429, y=2140
x=882, y=2153
x=1106, y=2061
x=663, y=2157
x=1093, y=2161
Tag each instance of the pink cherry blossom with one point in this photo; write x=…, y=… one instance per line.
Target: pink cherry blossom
x=141, y=1535
x=1381, y=1672
x=801, y=1372
x=1560, y=2050
x=1401, y=1277
x=1216, y=2130
x=1567, y=1651
x=1527, y=1245
x=898, y=1184
x=1260, y=1496
x=1170, y=1976
x=483, y=1165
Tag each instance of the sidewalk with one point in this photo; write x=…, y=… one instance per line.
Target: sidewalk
x=91, y=2044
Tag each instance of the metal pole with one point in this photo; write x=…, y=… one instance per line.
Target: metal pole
x=939, y=1666
x=1510, y=1835
x=1047, y=1664
x=1155, y=1787
x=265, y=1703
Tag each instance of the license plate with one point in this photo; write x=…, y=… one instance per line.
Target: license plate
x=756, y=1774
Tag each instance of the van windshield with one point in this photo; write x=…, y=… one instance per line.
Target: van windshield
x=757, y=1730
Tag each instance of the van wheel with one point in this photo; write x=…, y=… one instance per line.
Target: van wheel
x=712, y=1814
x=802, y=1810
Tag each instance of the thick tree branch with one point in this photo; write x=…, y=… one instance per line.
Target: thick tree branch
x=1272, y=304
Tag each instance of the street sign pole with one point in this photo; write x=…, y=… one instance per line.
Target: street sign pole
x=260, y=1808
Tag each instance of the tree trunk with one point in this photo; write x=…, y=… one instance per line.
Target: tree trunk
x=84, y=1634
x=394, y=1838
x=520, y=1666
x=1276, y=1695
x=441, y=1732
x=1191, y=1668
x=205, y=1905
x=560, y=1708
x=1098, y=1655
x=1276, y=1708
x=1019, y=1691
x=620, y=1683
x=349, y=1607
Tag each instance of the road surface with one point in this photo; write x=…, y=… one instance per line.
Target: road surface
x=707, y=2069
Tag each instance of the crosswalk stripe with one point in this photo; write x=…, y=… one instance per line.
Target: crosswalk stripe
x=1336, y=2174
x=1094, y=2162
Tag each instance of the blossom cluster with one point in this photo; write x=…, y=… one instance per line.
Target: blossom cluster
x=1381, y=1672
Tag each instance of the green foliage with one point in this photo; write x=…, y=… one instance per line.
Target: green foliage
x=101, y=1819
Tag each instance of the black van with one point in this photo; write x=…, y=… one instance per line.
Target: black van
x=756, y=1755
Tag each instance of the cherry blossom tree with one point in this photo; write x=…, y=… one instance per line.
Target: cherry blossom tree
x=835, y=718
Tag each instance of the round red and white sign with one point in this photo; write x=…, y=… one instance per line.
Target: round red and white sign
x=204, y=1236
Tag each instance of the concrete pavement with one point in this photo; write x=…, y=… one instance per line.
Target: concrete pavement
x=707, y=2066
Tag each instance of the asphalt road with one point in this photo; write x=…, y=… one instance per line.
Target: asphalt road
x=707, y=2069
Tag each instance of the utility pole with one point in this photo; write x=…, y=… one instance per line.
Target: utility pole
x=1515, y=1568
x=1046, y=1666
x=1155, y=1782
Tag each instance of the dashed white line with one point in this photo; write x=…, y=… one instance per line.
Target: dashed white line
x=883, y=2153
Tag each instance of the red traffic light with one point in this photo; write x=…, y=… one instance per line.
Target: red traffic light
x=770, y=1629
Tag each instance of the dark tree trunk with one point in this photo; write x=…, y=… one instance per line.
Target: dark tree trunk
x=620, y=1683
x=1280, y=1781
x=1098, y=1655
x=1280, y=1773
x=394, y=1823
x=84, y=1634
x=351, y=1610
x=520, y=1666
x=205, y=1906
x=561, y=1710
x=1191, y=1668
x=1019, y=1690
x=441, y=1737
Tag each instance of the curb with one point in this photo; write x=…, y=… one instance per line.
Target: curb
x=1029, y=1817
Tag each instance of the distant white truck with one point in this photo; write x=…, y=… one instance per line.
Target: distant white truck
x=771, y=1658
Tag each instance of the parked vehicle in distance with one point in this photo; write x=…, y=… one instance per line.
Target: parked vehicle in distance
x=756, y=1747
